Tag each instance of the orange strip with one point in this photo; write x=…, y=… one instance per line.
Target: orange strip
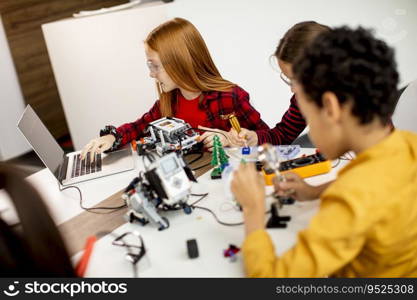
x=83, y=263
x=134, y=145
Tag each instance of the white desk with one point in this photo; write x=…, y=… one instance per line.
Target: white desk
x=166, y=250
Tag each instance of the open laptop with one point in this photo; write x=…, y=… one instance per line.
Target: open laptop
x=69, y=168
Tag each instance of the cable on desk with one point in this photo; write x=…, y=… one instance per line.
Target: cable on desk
x=92, y=209
x=216, y=218
x=201, y=154
x=200, y=167
x=218, y=132
x=176, y=206
x=202, y=196
x=227, y=138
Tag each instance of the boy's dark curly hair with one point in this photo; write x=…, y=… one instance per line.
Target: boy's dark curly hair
x=355, y=66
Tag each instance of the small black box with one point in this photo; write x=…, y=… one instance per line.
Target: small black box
x=192, y=248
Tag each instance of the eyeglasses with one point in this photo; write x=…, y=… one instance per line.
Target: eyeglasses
x=285, y=79
x=134, y=251
x=154, y=68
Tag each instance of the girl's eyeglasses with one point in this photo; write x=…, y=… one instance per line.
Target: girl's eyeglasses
x=154, y=68
x=285, y=79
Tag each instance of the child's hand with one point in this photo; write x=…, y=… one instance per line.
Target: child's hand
x=97, y=145
x=244, y=138
x=301, y=191
x=248, y=187
x=207, y=137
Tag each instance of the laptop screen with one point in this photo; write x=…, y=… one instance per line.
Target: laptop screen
x=41, y=140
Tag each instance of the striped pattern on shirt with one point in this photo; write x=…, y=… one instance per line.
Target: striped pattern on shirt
x=286, y=131
x=217, y=106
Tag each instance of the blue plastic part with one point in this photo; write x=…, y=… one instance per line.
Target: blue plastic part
x=246, y=150
x=187, y=209
x=223, y=166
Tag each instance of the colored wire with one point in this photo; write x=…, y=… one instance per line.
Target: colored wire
x=92, y=209
x=200, y=167
x=227, y=138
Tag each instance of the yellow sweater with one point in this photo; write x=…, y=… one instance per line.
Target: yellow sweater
x=366, y=225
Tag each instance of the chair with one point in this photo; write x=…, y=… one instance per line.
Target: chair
x=404, y=116
x=304, y=141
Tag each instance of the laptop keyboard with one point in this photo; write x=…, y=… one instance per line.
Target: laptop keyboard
x=85, y=166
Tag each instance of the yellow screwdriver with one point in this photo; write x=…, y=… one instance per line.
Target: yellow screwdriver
x=236, y=126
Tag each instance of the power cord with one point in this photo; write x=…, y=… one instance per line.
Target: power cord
x=193, y=205
x=227, y=138
x=202, y=196
x=216, y=218
x=92, y=209
x=205, y=165
x=201, y=154
x=200, y=167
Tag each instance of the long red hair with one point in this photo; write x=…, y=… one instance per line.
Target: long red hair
x=186, y=59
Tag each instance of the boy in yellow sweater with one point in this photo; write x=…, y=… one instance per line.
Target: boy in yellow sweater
x=346, y=86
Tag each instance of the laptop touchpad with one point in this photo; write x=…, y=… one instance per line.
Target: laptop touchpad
x=119, y=158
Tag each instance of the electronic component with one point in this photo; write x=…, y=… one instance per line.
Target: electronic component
x=192, y=248
x=168, y=135
x=271, y=160
x=306, y=166
x=166, y=184
x=231, y=252
x=269, y=176
x=236, y=126
x=246, y=150
x=277, y=221
x=219, y=159
x=288, y=152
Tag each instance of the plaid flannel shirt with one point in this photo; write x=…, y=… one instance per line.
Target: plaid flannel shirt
x=286, y=131
x=218, y=107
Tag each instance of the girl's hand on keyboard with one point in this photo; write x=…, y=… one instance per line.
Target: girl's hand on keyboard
x=98, y=145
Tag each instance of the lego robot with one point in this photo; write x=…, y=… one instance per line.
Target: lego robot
x=165, y=185
x=168, y=135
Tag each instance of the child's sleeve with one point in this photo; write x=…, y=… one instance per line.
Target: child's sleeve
x=333, y=239
x=247, y=115
x=287, y=130
x=132, y=131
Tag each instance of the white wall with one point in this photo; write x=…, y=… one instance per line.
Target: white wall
x=242, y=34
x=12, y=105
x=100, y=68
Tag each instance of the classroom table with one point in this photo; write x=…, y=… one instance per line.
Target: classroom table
x=166, y=251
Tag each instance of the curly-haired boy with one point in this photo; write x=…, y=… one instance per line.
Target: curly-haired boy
x=346, y=85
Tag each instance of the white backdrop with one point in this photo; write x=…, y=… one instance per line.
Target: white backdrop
x=12, y=143
x=100, y=68
x=241, y=35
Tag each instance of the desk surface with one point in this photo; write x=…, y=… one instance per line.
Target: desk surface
x=166, y=250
